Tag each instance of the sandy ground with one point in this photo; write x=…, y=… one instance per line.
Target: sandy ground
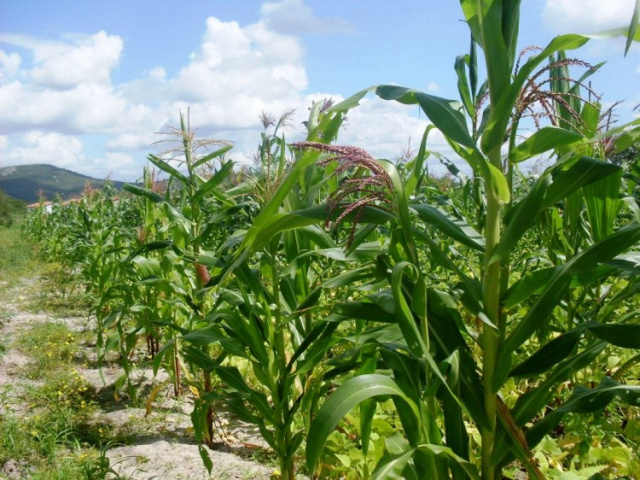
x=162, y=449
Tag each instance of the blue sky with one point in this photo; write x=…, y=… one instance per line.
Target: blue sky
x=84, y=85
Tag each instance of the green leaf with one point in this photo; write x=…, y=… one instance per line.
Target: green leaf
x=391, y=466
x=147, y=267
x=555, y=184
x=633, y=27
x=348, y=103
x=369, y=214
x=545, y=139
x=364, y=311
x=460, y=66
x=494, y=132
x=349, y=277
x=343, y=400
x=143, y=192
x=204, y=455
x=276, y=224
x=149, y=247
x=585, y=400
x=214, y=334
x=549, y=355
x=497, y=182
x=586, y=260
x=621, y=335
x=207, y=158
x=603, y=204
x=526, y=286
x=627, y=139
x=213, y=182
x=232, y=377
x=441, y=450
x=166, y=167
x=442, y=112
x=404, y=316
x=455, y=228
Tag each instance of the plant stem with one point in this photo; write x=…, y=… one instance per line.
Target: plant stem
x=491, y=337
x=280, y=396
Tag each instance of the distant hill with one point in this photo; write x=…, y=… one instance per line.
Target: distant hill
x=26, y=181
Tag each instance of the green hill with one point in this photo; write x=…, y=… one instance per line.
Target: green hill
x=25, y=182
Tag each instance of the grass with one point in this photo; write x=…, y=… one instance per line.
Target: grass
x=60, y=293
x=22, y=265
x=17, y=258
x=49, y=431
x=50, y=427
x=46, y=426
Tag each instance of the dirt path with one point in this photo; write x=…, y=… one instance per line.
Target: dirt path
x=161, y=446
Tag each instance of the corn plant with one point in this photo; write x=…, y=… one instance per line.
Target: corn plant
x=267, y=317
x=458, y=382
x=328, y=272
x=190, y=224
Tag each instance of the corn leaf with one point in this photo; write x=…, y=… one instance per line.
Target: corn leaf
x=343, y=400
x=545, y=139
x=455, y=228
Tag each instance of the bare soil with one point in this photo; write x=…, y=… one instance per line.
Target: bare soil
x=162, y=446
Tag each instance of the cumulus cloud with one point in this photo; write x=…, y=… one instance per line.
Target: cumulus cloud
x=433, y=87
x=87, y=108
x=68, y=88
x=239, y=71
x=295, y=17
x=131, y=142
x=115, y=166
x=63, y=65
x=586, y=16
x=9, y=64
x=66, y=96
x=46, y=147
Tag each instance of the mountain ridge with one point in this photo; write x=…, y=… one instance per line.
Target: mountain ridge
x=26, y=182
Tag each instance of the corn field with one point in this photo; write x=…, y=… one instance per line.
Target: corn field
x=373, y=321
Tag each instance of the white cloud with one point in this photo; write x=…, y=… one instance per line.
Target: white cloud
x=158, y=72
x=383, y=128
x=237, y=72
x=586, y=16
x=4, y=142
x=63, y=65
x=433, y=87
x=41, y=147
x=42, y=49
x=115, y=166
x=9, y=64
x=91, y=60
x=295, y=17
x=87, y=108
x=132, y=142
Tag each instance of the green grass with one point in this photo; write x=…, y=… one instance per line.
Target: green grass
x=59, y=292
x=48, y=427
x=21, y=264
x=17, y=257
